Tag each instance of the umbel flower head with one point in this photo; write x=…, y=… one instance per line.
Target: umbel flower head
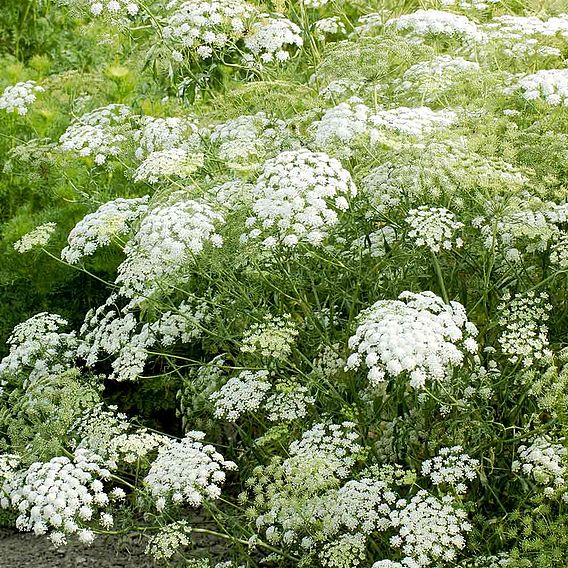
x=18, y=97
x=296, y=198
x=417, y=334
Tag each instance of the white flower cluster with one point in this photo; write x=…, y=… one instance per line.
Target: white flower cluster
x=169, y=539
x=206, y=26
x=273, y=338
x=341, y=128
x=288, y=403
x=131, y=447
x=39, y=237
x=60, y=496
x=340, y=88
x=168, y=163
x=97, y=229
x=335, y=444
x=241, y=394
x=434, y=228
x=451, y=467
x=8, y=467
x=544, y=462
x=423, y=23
x=331, y=26
x=16, y=98
x=431, y=78
x=296, y=198
x=348, y=551
x=429, y=529
x=186, y=471
x=244, y=142
x=113, y=7
x=169, y=236
x=415, y=121
x=559, y=252
x=231, y=195
x=548, y=85
x=270, y=39
x=100, y=133
x=417, y=334
x=157, y=134
x=524, y=335
x=37, y=346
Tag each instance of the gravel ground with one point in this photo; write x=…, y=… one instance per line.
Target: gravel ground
x=24, y=550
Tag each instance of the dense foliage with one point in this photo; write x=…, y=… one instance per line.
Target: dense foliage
x=289, y=276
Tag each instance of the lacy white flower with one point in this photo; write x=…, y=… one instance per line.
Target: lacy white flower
x=548, y=85
x=241, y=394
x=341, y=128
x=417, y=334
x=8, y=467
x=332, y=26
x=38, y=347
x=187, y=471
x=209, y=26
x=270, y=39
x=172, y=537
x=349, y=550
x=166, y=163
x=39, y=237
x=97, y=229
x=273, y=338
x=429, y=529
x=288, y=403
x=100, y=133
x=18, y=97
x=434, y=228
x=60, y=497
x=296, y=198
x=128, y=448
x=113, y=7
x=416, y=121
x=544, y=462
x=424, y=23
x=157, y=134
x=559, y=252
x=524, y=335
x=169, y=236
x=451, y=467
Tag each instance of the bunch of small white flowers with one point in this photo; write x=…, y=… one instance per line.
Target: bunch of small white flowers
x=451, y=467
x=416, y=121
x=170, y=538
x=244, y=142
x=340, y=88
x=169, y=236
x=17, y=98
x=544, y=462
x=334, y=443
x=60, y=496
x=341, y=128
x=187, y=471
x=431, y=78
x=500, y=560
x=429, y=530
x=241, y=394
x=38, y=346
x=113, y=8
x=288, y=403
x=206, y=27
x=38, y=237
x=328, y=362
x=417, y=334
x=524, y=335
x=270, y=40
x=559, y=252
x=173, y=162
x=157, y=134
x=548, y=85
x=423, y=23
x=100, y=133
x=273, y=338
x=347, y=551
x=97, y=229
x=231, y=195
x=296, y=197
x=130, y=447
x=434, y=228
x=8, y=468
x=332, y=26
